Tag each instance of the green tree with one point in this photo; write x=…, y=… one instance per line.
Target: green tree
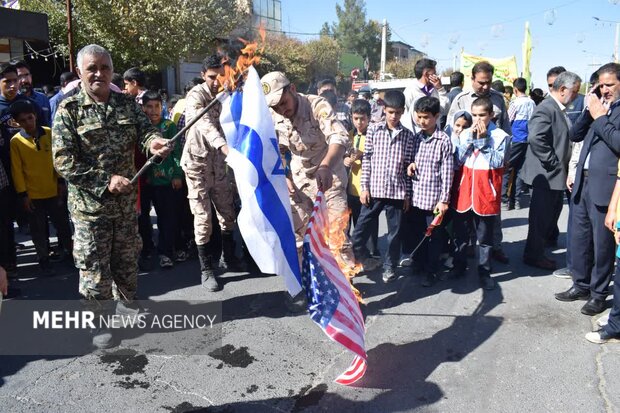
x=147, y=33
x=302, y=62
x=354, y=33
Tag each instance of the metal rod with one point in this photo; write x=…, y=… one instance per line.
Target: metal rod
x=155, y=159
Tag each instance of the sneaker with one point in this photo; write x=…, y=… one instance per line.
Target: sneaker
x=370, y=264
x=563, y=273
x=603, y=321
x=518, y=205
x=165, y=262
x=181, y=256
x=601, y=337
x=406, y=261
x=507, y=206
x=389, y=275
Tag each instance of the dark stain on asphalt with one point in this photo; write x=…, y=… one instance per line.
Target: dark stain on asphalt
x=251, y=389
x=132, y=384
x=305, y=398
x=219, y=366
x=233, y=357
x=186, y=407
x=127, y=362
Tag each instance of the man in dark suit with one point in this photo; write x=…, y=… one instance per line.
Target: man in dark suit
x=592, y=245
x=546, y=165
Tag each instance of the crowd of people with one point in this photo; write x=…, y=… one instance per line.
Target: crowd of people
x=442, y=162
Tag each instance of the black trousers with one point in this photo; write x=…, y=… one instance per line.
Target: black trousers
x=463, y=224
x=39, y=230
x=356, y=207
x=592, y=246
x=169, y=236
x=512, y=185
x=8, y=254
x=429, y=252
x=145, y=227
x=613, y=327
x=394, y=213
x=543, y=218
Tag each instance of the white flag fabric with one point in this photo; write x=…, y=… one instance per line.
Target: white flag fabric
x=265, y=220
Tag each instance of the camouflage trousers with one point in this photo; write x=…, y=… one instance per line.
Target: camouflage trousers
x=302, y=203
x=106, y=252
x=203, y=187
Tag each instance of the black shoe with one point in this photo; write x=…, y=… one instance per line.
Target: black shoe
x=232, y=265
x=573, y=294
x=487, y=283
x=457, y=273
x=145, y=263
x=209, y=283
x=594, y=306
x=499, y=256
x=429, y=279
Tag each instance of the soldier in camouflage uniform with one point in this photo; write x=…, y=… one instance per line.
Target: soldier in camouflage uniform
x=307, y=127
x=95, y=132
x=203, y=161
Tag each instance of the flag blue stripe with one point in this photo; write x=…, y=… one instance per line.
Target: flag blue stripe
x=251, y=146
x=236, y=106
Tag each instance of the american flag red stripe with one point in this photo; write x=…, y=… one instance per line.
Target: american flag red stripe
x=331, y=301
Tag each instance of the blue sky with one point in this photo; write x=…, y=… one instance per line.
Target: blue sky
x=563, y=31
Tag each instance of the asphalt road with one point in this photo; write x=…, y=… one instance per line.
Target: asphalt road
x=448, y=348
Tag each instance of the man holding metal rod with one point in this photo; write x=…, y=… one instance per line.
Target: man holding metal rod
x=94, y=134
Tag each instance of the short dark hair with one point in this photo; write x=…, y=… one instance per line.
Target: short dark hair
x=508, y=89
x=151, y=95
x=352, y=93
x=520, y=84
x=427, y=104
x=212, y=62
x=482, y=67
x=326, y=81
x=20, y=64
x=537, y=95
x=361, y=107
x=613, y=68
x=594, y=78
x=556, y=70
x=456, y=79
x=7, y=68
x=330, y=96
x=423, y=64
x=22, y=106
x=67, y=77
x=498, y=85
x=135, y=74
x=394, y=99
x=194, y=82
x=117, y=79
x=483, y=102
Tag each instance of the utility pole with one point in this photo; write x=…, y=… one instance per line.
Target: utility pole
x=383, y=49
x=70, y=38
x=616, y=55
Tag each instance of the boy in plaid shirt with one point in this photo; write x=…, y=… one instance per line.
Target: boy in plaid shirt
x=432, y=172
x=385, y=185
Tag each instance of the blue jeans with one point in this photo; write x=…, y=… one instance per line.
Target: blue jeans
x=394, y=213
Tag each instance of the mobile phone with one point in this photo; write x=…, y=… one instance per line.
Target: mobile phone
x=596, y=89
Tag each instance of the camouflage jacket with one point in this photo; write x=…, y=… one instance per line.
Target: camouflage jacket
x=206, y=136
x=308, y=135
x=91, y=142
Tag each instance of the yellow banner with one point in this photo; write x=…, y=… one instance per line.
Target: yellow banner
x=527, y=54
x=505, y=68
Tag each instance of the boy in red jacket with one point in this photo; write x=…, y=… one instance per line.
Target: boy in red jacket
x=480, y=154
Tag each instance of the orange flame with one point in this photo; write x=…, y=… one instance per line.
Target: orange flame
x=250, y=55
x=336, y=238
